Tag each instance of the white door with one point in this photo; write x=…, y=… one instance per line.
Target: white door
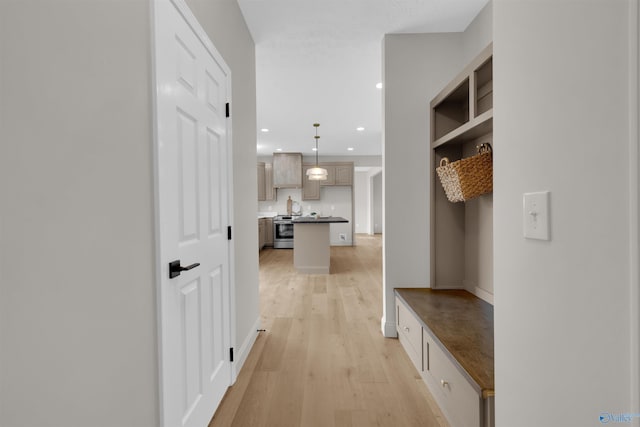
x=193, y=187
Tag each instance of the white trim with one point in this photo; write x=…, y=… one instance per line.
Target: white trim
x=483, y=295
x=634, y=205
x=244, y=350
x=156, y=208
x=388, y=328
x=312, y=270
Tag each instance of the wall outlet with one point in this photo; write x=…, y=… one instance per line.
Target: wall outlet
x=343, y=237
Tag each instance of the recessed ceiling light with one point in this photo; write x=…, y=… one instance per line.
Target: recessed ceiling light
x=314, y=149
x=379, y=85
x=350, y=149
x=264, y=130
x=278, y=149
x=360, y=129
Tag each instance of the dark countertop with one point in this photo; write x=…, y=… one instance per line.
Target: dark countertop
x=463, y=323
x=319, y=220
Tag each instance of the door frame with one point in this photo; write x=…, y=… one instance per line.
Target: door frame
x=160, y=268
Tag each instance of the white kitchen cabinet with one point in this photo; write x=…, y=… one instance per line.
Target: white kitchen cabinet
x=409, y=333
x=459, y=400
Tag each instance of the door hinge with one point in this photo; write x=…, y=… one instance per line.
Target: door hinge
x=227, y=108
x=231, y=354
x=229, y=233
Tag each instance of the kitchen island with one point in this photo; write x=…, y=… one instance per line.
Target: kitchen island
x=311, y=243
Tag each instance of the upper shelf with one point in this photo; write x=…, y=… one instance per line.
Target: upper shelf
x=463, y=110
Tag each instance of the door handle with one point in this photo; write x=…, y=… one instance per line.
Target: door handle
x=175, y=268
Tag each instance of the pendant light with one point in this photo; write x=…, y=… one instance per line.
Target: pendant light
x=317, y=173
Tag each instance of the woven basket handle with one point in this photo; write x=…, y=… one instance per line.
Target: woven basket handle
x=485, y=147
x=444, y=161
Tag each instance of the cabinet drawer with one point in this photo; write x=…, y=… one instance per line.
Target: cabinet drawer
x=409, y=333
x=457, y=398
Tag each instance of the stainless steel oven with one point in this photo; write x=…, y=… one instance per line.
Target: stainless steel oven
x=282, y=232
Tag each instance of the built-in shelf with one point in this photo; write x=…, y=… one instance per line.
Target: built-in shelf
x=462, y=233
x=479, y=126
x=458, y=371
x=484, y=87
x=463, y=110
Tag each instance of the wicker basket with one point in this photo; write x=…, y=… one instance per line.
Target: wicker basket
x=467, y=178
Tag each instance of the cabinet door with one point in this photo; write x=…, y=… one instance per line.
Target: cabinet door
x=331, y=175
x=269, y=191
x=460, y=402
x=287, y=170
x=268, y=232
x=409, y=333
x=261, y=176
x=310, y=189
x=344, y=175
x=260, y=234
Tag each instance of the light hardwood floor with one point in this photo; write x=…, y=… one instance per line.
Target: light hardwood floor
x=323, y=360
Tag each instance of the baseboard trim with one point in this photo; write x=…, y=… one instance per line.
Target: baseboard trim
x=312, y=270
x=484, y=295
x=389, y=329
x=244, y=350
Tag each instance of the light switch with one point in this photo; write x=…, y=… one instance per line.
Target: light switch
x=535, y=215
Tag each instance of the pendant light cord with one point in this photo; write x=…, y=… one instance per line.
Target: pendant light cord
x=317, y=138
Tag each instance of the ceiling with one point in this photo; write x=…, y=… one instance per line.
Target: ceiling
x=320, y=61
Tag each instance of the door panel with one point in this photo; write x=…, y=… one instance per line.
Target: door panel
x=188, y=174
x=215, y=155
x=192, y=87
x=191, y=346
x=216, y=296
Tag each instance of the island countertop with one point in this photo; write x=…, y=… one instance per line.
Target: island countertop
x=319, y=220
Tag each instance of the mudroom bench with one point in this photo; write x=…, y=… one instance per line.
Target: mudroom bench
x=448, y=335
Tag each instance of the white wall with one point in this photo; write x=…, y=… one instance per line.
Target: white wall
x=415, y=68
x=376, y=204
x=563, y=319
x=77, y=291
x=368, y=200
x=361, y=201
x=78, y=339
x=226, y=27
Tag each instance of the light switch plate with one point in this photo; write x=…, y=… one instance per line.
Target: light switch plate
x=535, y=215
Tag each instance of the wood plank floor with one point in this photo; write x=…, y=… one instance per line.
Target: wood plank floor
x=323, y=360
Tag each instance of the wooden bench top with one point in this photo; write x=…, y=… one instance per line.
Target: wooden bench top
x=463, y=323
